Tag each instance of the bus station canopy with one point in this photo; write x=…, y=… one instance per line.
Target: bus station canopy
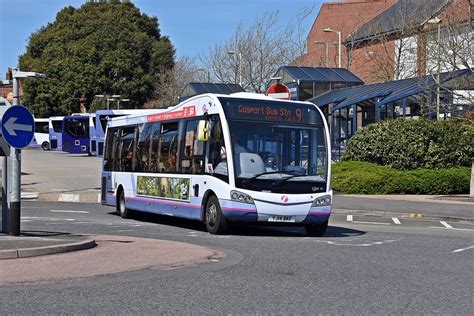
x=385, y=92
x=315, y=74
x=194, y=88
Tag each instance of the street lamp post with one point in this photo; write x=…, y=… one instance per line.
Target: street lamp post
x=329, y=30
x=207, y=72
x=239, y=71
x=108, y=98
x=438, y=64
x=327, y=50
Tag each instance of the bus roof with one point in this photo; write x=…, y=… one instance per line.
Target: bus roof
x=182, y=109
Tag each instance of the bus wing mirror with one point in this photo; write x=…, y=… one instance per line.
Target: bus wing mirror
x=203, y=130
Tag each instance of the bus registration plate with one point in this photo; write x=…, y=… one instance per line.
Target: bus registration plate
x=281, y=218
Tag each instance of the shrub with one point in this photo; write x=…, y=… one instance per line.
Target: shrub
x=414, y=144
x=354, y=177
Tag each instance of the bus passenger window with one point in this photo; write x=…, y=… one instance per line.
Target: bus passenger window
x=126, y=145
x=193, y=150
x=168, y=146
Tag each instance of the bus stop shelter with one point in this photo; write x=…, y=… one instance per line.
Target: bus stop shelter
x=308, y=82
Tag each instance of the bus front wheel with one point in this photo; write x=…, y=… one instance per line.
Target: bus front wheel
x=122, y=210
x=316, y=230
x=215, y=221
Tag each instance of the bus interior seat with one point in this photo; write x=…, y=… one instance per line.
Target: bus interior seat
x=251, y=164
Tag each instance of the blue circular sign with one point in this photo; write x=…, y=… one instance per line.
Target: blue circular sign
x=18, y=126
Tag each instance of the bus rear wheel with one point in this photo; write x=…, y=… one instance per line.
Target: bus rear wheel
x=316, y=230
x=122, y=210
x=215, y=221
x=45, y=146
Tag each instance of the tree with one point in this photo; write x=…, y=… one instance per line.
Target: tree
x=104, y=47
x=171, y=82
x=257, y=51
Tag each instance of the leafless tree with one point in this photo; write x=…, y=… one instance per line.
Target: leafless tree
x=254, y=53
x=172, y=82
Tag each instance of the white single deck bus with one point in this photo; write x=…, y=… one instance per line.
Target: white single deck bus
x=223, y=158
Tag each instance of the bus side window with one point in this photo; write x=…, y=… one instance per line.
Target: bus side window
x=168, y=147
x=154, y=139
x=126, y=148
x=140, y=163
x=111, y=150
x=216, y=156
x=193, y=150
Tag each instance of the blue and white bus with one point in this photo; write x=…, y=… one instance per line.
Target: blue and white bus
x=41, y=135
x=55, y=133
x=75, y=134
x=101, y=119
x=223, y=158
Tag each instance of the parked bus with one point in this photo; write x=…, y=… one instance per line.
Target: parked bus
x=55, y=132
x=101, y=119
x=41, y=135
x=75, y=134
x=223, y=158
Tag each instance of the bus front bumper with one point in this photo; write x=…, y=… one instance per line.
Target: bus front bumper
x=271, y=213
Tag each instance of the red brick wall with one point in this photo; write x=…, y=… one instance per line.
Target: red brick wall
x=346, y=17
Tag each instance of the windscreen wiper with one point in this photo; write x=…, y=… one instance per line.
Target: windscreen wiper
x=281, y=181
x=251, y=179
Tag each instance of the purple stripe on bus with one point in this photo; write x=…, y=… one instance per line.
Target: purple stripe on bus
x=318, y=213
x=189, y=205
x=231, y=209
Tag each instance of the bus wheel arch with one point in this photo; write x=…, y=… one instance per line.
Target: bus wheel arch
x=215, y=221
x=120, y=207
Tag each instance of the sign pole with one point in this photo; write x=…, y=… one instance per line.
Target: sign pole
x=15, y=179
x=5, y=212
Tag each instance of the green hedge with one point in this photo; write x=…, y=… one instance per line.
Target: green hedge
x=354, y=177
x=414, y=144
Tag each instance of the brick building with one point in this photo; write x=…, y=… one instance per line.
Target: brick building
x=389, y=39
x=346, y=17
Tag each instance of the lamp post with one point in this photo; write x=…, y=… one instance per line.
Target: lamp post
x=329, y=30
x=319, y=42
x=207, y=72
x=438, y=64
x=108, y=98
x=239, y=70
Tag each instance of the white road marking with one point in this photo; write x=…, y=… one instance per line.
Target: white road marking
x=374, y=223
x=462, y=249
x=463, y=229
x=65, y=197
x=66, y=211
x=446, y=224
x=350, y=218
x=396, y=221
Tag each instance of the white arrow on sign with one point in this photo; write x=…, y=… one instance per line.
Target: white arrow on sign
x=10, y=126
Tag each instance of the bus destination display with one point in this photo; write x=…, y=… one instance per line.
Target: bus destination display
x=270, y=111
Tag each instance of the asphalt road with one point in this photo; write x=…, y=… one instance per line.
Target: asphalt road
x=364, y=265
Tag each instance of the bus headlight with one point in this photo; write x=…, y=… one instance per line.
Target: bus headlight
x=322, y=201
x=241, y=197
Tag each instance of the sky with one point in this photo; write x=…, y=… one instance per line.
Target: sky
x=194, y=26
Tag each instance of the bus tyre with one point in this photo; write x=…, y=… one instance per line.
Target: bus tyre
x=316, y=230
x=215, y=221
x=122, y=210
x=45, y=146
